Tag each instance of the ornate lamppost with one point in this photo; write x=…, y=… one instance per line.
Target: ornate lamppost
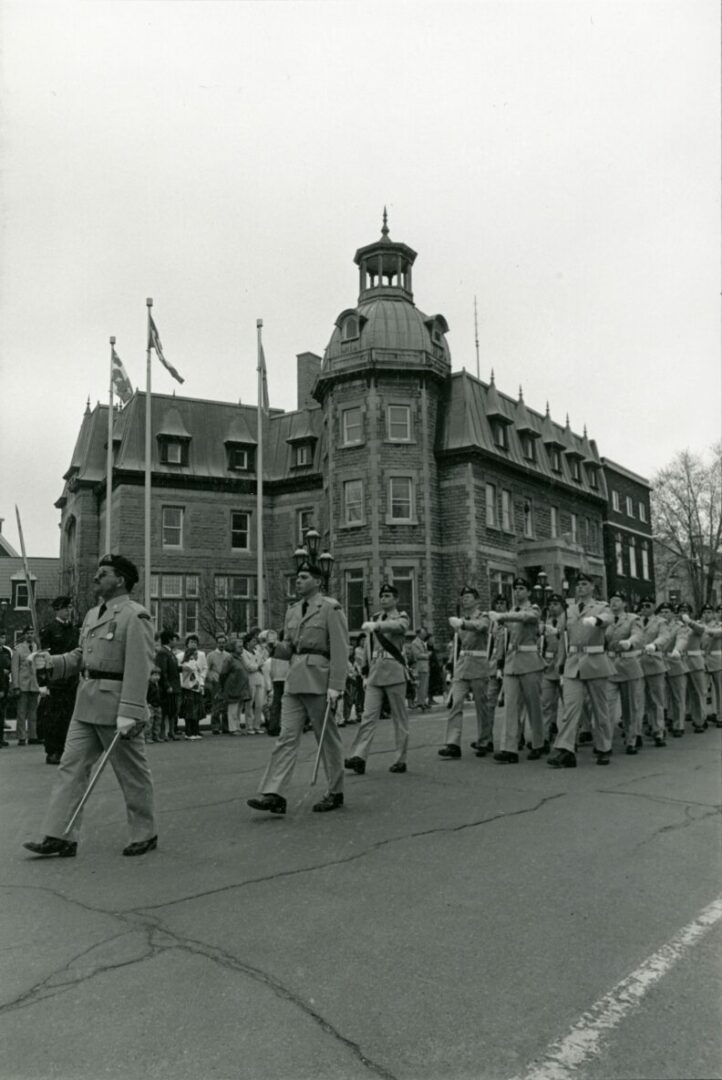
x=309, y=552
x=541, y=591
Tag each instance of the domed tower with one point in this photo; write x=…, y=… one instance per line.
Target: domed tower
x=380, y=383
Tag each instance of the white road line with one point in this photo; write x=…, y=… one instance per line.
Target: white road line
x=584, y=1039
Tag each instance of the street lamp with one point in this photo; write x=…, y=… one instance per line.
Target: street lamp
x=308, y=552
x=542, y=590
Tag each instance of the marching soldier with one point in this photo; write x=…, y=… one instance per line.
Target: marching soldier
x=470, y=673
x=497, y=652
x=387, y=676
x=712, y=648
x=624, y=640
x=694, y=656
x=656, y=634
x=58, y=637
x=315, y=640
x=676, y=665
x=552, y=634
x=113, y=658
x=586, y=668
x=522, y=677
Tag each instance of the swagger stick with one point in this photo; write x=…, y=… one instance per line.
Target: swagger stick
x=101, y=765
x=317, y=762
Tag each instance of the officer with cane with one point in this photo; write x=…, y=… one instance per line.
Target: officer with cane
x=113, y=659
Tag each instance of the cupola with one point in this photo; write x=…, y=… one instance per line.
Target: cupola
x=385, y=268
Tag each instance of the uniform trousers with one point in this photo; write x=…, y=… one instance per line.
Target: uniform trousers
x=484, y=710
x=422, y=688
x=295, y=709
x=521, y=690
x=597, y=691
x=551, y=693
x=631, y=696
x=696, y=693
x=396, y=697
x=83, y=746
x=716, y=680
x=654, y=702
x=27, y=714
x=677, y=686
x=59, y=708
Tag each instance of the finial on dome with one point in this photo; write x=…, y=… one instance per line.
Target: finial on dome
x=385, y=226
x=491, y=380
x=521, y=393
x=567, y=419
x=87, y=406
x=585, y=431
x=547, y=408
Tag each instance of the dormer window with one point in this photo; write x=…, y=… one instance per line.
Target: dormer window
x=499, y=434
x=555, y=459
x=528, y=447
x=575, y=469
x=592, y=477
x=173, y=451
x=301, y=455
x=350, y=328
x=240, y=458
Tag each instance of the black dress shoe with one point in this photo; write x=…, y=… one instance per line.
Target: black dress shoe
x=34, y=742
x=139, y=847
x=562, y=759
x=356, y=764
x=398, y=766
x=505, y=757
x=450, y=751
x=603, y=758
x=677, y=734
x=698, y=730
x=659, y=741
x=631, y=750
x=639, y=742
x=276, y=804
x=546, y=747
x=52, y=759
x=585, y=737
x=328, y=802
x=534, y=755
x=53, y=845
x=480, y=751
x=475, y=745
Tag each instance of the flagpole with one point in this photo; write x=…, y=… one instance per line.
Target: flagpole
x=259, y=480
x=109, y=457
x=146, y=545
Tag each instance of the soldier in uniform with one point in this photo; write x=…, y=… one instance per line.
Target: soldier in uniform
x=586, y=668
x=471, y=673
x=58, y=637
x=624, y=641
x=694, y=656
x=315, y=641
x=420, y=660
x=712, y=649
x=387, y=677
x=497, y=651
x=552, y=631
x=671, y=649
x=113, y=658
x=655, y=637
x=522, y=677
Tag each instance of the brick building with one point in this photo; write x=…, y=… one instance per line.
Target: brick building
x=628, y=543
x=14, y=599
x=411, y=472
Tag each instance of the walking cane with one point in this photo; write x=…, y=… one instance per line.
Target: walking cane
x=101, y=765
x=317, y=762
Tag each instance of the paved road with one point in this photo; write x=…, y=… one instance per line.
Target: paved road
x=465, y=921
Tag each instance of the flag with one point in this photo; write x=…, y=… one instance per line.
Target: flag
x=154, y=343
x=264, y=403
x=121, y=382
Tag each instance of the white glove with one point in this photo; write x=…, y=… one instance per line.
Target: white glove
x=589, y=620
x=675, y=654
x=369, y=627
x=455, y=622
x=685, y=618
x=493, y=616
x=649, y=649
x=124, y=724
x=44, y=692
x=332, y=695
x=625, y=645
x=42, y=661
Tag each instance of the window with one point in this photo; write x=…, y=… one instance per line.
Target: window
x=174, y=451
x=239, y=458
x=401, y=498
x=587, y=532
x=353, y=502
x=21, y=600
x=404, y=578
x=592, y=474
x=490, y=506
x=555, y=459
x=575, y=470
x=574, y=528
x=304, y=522
x=171, y=586
x=351, y=427
x=350, y=328
x=619, y=555
x=499, y=434
x=528, y=447
x=506, y=518
x=615, y=502
x=172, y=526
x=642, y=512
x=645, y=561
x=354, y=594
x=630, y=506
x=398, y=423
x=235, y=606
x=554, y=521
x=175, y=602
x=501, y=583
x=528, y=520
x=301, y=455
x=632, y=558
x=240, y=526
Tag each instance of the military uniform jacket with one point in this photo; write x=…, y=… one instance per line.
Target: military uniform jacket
x=385, y=671
x=119, y=642
x=712, y=647
x=473, y=657
x=552, y=644
x=497, y=648
x=579, y=663
x=522, y=648
x=58, y=638
x=625, y=627
x=23, y=673
x=675, y=640
x=656, y=631
x=420, y=654
x=692, y=645
x=319, y=644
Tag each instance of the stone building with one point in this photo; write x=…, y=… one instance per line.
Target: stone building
x=15, y=612
x=628, y=541
x=411, y=472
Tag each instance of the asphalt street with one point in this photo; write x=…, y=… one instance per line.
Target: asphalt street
x=464, y=921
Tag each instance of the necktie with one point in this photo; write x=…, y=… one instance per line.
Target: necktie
x=304, y=608
x=581, y=607
x=102, y=610
x=554, y=622
x=616, y=618
x=645, y=620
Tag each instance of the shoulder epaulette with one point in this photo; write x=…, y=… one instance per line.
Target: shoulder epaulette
x=330, y=600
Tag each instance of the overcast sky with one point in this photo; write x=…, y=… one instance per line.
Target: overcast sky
x=560, y=161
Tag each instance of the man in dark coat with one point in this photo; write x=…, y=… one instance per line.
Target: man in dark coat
x=59, y=637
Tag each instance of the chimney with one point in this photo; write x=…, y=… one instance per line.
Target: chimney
x=308, y=365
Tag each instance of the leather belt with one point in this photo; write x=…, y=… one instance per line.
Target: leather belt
x=313, y=652
x=549, y=656
x=694, y=652
x=473, y=652
x=91, y=673
x=586, y=648
x=526, y=648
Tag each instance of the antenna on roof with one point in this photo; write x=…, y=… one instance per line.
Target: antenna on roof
x=476, y=338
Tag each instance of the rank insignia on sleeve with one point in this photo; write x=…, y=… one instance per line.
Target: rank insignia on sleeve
x=144, y=615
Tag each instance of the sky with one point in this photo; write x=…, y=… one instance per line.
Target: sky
x=559, y=161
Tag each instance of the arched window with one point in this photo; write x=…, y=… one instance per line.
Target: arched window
x=350, y=328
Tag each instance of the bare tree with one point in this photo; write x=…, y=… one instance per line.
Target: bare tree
x=687, y=515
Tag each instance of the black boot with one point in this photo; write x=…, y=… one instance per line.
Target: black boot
x=276, y=804
x=53, y=845
x=356, y=764
x=329, y=802
x=139, y=847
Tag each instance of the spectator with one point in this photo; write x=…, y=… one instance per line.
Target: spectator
x=217, y=659
x=437, y=684
x=254, y=657
x=279, y=664
x=6, y=655
x=192, y=677
x=25, y=689
x=233, y=686
x=420, y=651
x=154, y=725
x=170, y=686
